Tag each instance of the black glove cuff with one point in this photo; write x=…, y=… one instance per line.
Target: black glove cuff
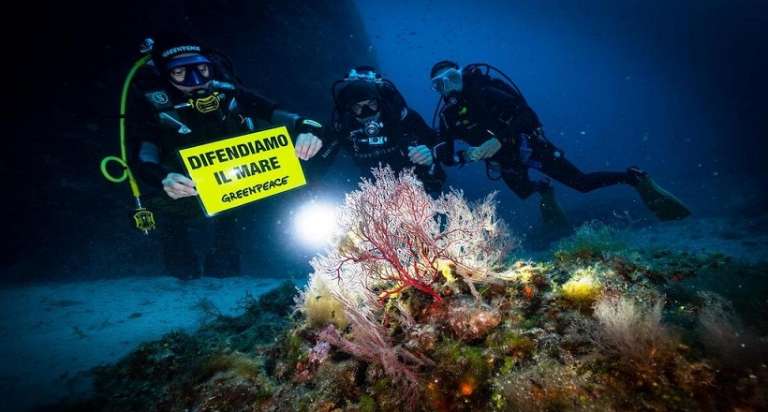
x=305, y=125
x=152, y=173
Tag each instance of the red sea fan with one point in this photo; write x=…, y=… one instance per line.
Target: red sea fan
x=398, y=237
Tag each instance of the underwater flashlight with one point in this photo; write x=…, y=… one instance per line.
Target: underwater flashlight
x=316, y=224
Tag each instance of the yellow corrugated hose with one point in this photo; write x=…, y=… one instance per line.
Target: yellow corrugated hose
x=143, y=218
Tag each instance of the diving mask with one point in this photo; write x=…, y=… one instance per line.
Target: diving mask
x=190, y=71
x=365, y=108
x=447, y=82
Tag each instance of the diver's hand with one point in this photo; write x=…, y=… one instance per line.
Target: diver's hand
x=485, y=150
x=420, y=155
x=178, y=186
x=307, y=146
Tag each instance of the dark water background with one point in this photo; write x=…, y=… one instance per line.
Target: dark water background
x=677, y=88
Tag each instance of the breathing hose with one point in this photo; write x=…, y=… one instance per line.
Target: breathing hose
x=143, y=218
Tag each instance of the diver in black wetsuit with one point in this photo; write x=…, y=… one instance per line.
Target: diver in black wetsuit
x=372, y=122
x=492, y=116
x=186, y=96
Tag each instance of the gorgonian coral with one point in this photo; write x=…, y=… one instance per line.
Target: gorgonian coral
x=395, y=236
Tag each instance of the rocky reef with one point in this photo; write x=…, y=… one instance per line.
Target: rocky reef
x=422, y=305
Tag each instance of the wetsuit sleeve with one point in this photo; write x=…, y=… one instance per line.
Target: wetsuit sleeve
x=141, y=122
x=423, y=134
x=256, y=105
x=260, y=107
x=445, y=146
x=433, y=176
x=512, y=114
x=332, y=139
x=142, y=127
x=331, y=145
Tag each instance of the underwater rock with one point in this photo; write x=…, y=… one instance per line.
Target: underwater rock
x=228, y=391
x=583, y=288
x=422, y=337
x=278, y=301
x=472, y=323
x=305, y=369
x=594, y=333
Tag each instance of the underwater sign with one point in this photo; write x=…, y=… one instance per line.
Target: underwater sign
x=232, y=172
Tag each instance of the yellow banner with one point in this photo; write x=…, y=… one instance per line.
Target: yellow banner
x=232, y=172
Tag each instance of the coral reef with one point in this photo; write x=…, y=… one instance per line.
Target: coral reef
x=583, y=288
x=415, y=308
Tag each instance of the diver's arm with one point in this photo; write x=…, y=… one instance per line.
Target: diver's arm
x=444, y=149
x=146, y=157
x=511, y=116
x=143, y=126
x=149, y=169
x=418, y=127
x=307, y=131
x=256, y=105
x=286, y=118
x=512, y=113
x=152, y=172
x=262, y=108
x=424, y=138
x=323, y=161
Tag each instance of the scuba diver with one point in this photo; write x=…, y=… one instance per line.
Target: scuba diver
x=373, y=123
x=184, y=96
x=493, y=117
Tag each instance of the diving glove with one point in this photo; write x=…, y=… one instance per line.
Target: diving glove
x=308, y=141
x=420, y=155
x=304, y=125
x=485, y=150
x=307, y=146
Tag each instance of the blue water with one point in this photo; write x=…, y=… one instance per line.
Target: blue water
x=676, y=88
x=668, y=87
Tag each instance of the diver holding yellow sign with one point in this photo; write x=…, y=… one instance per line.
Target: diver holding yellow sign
x=187, y=97
x=232, y=172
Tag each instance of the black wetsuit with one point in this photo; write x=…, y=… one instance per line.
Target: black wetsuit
x=488, y=107
x=153, y=119
x=402, y=128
